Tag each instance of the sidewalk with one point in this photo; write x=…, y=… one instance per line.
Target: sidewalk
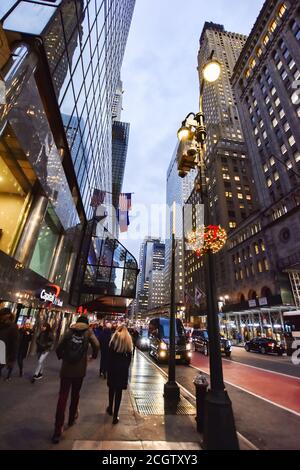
x=27, y=413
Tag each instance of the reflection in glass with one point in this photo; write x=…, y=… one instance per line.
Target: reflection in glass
x=44, y=250
x=119, y=256
x=115, y=287
x=36, y=17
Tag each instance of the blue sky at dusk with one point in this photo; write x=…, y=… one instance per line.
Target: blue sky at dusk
x=161, y=84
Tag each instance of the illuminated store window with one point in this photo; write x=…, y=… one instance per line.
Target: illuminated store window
x=16, y=181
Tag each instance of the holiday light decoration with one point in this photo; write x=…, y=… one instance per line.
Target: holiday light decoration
x=211, y=238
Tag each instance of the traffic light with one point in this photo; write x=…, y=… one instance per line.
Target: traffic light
x=186, y=158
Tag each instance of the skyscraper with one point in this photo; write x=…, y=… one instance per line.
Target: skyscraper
x=150, y=284
x=177, y=193
x=156, y=280
x=230, y=183
x=266, y=82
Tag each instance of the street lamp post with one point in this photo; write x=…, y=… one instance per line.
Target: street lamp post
x=171, y=388
x=219, y=425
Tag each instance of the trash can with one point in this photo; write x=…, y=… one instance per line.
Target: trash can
x=201, y=386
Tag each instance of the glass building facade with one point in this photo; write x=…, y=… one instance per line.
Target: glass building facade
x=56, y=144
x=84, y=42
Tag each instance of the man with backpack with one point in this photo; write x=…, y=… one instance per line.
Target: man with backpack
x=73, y=350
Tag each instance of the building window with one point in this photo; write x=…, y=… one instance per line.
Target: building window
x=266, y=39
x=292, y=141
x=267, y=266
x=260, y=267
x=282, y=10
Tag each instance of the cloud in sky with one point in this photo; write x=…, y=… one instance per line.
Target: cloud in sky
x=161, y=83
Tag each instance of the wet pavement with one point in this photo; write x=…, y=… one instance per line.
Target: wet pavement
x=27, y=413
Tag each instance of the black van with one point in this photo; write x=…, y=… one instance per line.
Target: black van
x=159, y=337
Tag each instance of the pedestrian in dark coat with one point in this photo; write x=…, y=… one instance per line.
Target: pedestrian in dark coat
x=25, y=337
x=119, y=359
x=72, y=372
x=44, y=343
x=135, y=336
x=104, y=340
x=9, y=339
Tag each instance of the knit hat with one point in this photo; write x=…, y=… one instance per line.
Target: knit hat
x=83, y=319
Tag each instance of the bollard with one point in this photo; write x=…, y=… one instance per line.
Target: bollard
x=201, y=385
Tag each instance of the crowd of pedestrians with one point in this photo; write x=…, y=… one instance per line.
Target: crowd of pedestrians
x=80, y=344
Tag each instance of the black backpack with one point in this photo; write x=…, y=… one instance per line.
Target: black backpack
x=76, y=346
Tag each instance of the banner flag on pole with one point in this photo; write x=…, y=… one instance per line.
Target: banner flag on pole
x=125, y=206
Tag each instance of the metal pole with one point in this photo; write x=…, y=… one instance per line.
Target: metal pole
x=219, y=426
x=171, y=388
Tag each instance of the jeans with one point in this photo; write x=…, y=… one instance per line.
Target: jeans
x=42, y=357
x=65, y=385
x=8, y=368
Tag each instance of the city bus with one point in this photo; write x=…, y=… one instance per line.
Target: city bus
x=292, y=323
x=292, y=331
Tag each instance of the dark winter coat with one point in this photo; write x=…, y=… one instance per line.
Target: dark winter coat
x=44, y=342
x=118, y=369
x=77, y=370
x=104, y=340
x=25, y=337
x=9, y=334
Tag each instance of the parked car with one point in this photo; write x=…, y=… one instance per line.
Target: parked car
x=159, y=334
x=143, y=342
x=201, y=343
x=265, y=346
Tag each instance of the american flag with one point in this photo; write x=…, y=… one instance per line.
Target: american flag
x=125, y=202
x=123, y=211
x=97, y=198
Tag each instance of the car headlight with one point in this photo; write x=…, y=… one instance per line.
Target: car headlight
x=163, y=346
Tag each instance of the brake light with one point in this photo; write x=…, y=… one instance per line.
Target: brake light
x=271, y=345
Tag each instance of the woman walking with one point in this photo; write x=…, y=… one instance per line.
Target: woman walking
x=119, y=358
x=44, y=344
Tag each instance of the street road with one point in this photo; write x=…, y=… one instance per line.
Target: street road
x=266, y=404
x=272, y=362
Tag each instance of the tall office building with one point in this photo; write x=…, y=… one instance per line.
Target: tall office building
x=150, y=284
x=117, y=103
x=156, y=280
x=230, y=183
x=177, y=193
x=56, y=148
x=266, y=82
x=120, y=138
